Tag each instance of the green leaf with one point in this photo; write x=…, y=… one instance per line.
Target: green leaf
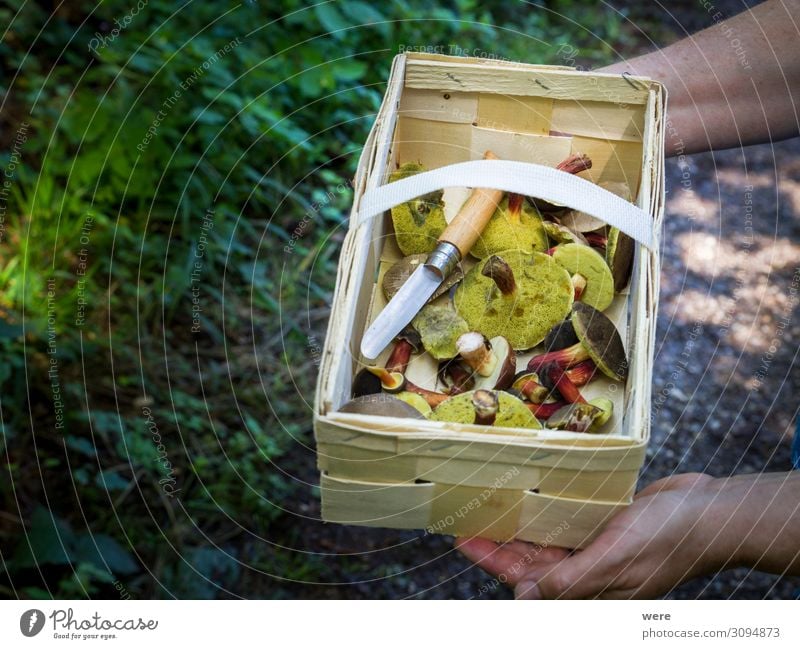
x=349, y=70
x=331, y=19
x=102, y=550
x=49, y=540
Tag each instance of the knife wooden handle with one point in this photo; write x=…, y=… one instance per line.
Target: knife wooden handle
x=464, y=230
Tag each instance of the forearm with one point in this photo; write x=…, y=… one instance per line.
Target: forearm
x=752, y=520
x=733, y=84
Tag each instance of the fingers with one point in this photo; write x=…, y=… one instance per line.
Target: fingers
x=510, y=561
x=583, y=575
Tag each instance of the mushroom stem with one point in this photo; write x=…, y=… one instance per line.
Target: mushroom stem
x=579, y=285
x=515, y=207
x=485, y=403
x=459, y=379
x=533, y=391
x=544, y=411
x=501, y=274
x=400, y=356
x=476, y=352
x=581, y=373
x=596, y=240
x=564, y=358
x=562, y=383
x=575, y=163
x=391, y=381
x=433, y=398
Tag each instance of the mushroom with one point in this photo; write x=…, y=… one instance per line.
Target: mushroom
x=513, y=226
x=591, y=276
x=543, y=411
x=439, y=327
x=401, y=270
x=573, y=164
x=455, y=377
x=583, y=222
x=619, y=256
x=462, y=409
x=562, y=234
x=599, y=341
x=365, y=382
x=517, y=295
x=596, y=240
x=561, y=382
x=419, y=222
x=415, y=401
x=586, y=417
x=392, y=378
x=528, y=385
x=384, y=405
x=486, y=403
x=494, y=361
x=560, y=336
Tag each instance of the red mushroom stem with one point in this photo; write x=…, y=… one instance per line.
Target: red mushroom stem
x=575, y=163
x=400, y=356
x=459, y=377
x=581, y=373
x=544, y=411
x=596, y=240
x=433, y=398
x=564, y=358
x=562, y=383
x=397, y=362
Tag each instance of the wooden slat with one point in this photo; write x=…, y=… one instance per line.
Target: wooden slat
x=454, y=107
x=556, y=84
x=599, y=119
x=432, y=143
x=520, y=114
x=561, y=522
x=611, y=160
x=350, y=463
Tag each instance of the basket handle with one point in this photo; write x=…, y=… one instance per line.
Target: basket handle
x=524, y=178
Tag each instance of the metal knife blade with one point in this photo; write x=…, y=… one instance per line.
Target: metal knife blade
x=402, y=308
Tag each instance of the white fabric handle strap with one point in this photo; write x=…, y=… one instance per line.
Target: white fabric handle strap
x=538, y=181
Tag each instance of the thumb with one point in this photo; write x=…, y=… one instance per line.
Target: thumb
x=583, y=575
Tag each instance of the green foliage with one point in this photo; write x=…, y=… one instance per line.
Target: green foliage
x=136, y=153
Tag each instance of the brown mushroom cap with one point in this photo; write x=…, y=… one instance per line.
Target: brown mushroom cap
x=383, y=405
x=560, y=337
x=365, y=383
x=619, y=256
x=601, y=339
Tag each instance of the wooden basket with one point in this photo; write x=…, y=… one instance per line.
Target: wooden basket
x=545, y=486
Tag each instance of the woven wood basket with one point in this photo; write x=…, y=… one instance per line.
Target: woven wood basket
x=545, y=486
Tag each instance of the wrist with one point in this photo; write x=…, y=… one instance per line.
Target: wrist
x=714, y=534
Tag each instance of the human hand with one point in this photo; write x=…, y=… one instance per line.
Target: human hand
x=646, y=550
